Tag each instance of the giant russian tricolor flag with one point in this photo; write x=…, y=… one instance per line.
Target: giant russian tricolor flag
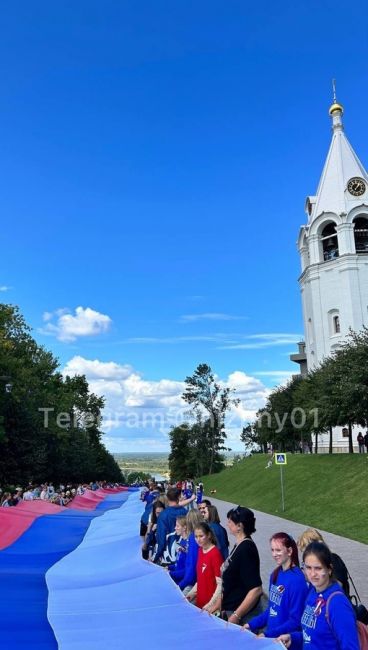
x=73, y=579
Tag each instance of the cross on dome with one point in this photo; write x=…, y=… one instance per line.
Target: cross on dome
x=336, y=110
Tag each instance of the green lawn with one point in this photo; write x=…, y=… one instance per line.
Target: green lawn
x=324, y=491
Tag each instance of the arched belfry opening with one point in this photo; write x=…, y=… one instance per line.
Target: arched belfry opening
x=329, y=241
x=361, y=234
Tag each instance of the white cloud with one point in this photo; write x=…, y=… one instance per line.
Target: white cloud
x=4, y=288
x=139, y=413
x=252, y=394
x=95, y=369
x=69, y=327
x=212, y=338
x=258, y=341
x=277, y=374
x=49, y=315
x=125, y=390
x=243, y=383
x=121, y=444
x=210, y=316
x=224, y=341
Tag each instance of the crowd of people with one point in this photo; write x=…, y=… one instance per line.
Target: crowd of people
x=308, y=604
x=60, y=495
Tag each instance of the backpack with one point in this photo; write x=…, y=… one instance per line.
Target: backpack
x=341, y=573
x=361, y=628
x=362, y=635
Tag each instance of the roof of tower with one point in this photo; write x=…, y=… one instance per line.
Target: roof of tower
x=341, y=165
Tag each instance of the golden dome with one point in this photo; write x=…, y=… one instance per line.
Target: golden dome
x=336, y=107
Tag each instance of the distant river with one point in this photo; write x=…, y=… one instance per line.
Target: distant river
x=158, y=477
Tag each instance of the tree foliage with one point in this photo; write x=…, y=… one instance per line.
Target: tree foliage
x=334, y=394
x=196, y=449
x=251, y=439
x=33, y=446
x=136, y=476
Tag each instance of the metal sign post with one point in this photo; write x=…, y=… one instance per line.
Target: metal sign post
x=280, y=459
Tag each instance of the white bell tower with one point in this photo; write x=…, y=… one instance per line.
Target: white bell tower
x=334, y=249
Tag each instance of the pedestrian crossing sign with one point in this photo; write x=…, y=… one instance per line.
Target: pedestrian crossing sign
x=280, y=459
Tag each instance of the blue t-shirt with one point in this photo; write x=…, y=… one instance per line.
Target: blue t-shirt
x=221, y=539
x=149, y=498
x=199, y=494
x=177, y=570
x=190, y=575
x=320, y=634
x=165, y=534
x=285, y=606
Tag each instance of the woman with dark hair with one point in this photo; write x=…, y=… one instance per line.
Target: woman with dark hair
x=241, y=580
x=211, y=515
x=288, y=591
x=6, y=500
x=328, y=621
x=150, y=536
x=208, y=586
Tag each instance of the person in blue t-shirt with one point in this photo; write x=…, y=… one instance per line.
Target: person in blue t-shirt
x=194, y=518
x=328, y=621
x=199, y=493
x=166, y=547
x=177, y=570
x=211, y=516
x=288, y=591
x=148, y=498
x=149, y=543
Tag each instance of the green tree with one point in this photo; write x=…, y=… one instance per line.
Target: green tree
x=250, y=437
x=30, y=447
x=210, y=403
x=349, y=378
x=136, y=476
x=180, y=457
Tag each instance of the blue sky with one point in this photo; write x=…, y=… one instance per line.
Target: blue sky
x=155, y=159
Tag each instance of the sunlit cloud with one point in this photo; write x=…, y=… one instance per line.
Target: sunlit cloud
x=139, y=412
x=68, y=327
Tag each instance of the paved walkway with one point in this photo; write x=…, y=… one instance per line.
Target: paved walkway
x=354, y=554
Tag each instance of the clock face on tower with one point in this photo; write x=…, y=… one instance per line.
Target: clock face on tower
x=356, y=186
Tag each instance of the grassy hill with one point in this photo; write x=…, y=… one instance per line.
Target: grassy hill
x=328, y=492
